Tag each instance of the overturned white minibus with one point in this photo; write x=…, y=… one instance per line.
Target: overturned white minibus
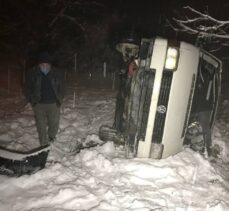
x=168, y=100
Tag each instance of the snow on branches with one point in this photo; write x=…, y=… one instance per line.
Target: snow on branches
x=208, y=30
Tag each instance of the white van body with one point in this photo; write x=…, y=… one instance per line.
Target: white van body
x=181, y=94
x=174, y=90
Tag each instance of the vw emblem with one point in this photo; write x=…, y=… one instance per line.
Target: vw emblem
x=161, y=109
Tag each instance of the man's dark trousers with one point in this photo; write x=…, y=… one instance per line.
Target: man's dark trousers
x=47, y=118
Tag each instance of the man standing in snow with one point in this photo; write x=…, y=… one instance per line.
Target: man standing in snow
x=44, y=89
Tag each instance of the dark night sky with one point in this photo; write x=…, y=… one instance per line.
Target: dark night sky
x=28, y=18
x=148, y=17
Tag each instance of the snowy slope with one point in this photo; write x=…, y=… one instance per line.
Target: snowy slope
x=101, y=178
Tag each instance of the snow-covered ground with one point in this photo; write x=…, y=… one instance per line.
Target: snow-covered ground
x=101, y=178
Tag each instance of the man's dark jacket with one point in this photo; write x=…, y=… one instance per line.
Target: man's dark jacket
x=32, y=86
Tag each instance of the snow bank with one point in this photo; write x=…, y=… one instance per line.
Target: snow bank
x=101, y=178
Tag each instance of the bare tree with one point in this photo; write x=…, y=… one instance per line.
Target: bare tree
x=209, y=32
x=27, y=25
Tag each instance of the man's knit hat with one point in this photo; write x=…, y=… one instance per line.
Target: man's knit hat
x=44, y=58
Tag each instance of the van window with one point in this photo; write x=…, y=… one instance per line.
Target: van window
x=206, y=90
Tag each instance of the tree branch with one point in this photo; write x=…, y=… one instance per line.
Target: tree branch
x=207, y=29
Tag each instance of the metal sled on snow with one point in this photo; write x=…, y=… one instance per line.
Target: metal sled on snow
x=15, y=163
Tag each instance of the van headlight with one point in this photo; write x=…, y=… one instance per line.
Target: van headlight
x=171, y=58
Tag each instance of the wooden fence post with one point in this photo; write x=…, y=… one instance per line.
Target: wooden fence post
x=104, y=69
x=75, y=62
x=114, y=79
x=8, y=81
x=74, y=100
